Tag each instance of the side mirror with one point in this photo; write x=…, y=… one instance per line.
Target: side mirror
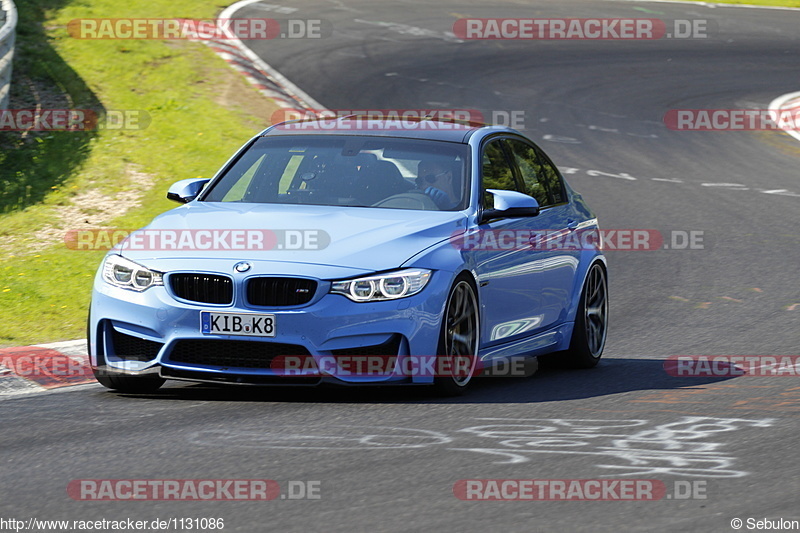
x=185, y=191
x=509, y=204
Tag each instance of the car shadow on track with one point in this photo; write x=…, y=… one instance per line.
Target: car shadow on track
x=611, y=376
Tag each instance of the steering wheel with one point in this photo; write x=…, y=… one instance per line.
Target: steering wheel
x=409, y=200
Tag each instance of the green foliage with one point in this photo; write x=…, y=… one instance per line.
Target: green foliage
x=44, y=291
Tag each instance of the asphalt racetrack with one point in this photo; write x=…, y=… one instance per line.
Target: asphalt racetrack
x=721, y=447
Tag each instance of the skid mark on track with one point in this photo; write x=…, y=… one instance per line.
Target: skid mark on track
x=743, y=296
x=741, y=397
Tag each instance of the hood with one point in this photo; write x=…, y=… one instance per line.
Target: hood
x=361, y=239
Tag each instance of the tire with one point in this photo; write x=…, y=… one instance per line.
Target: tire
x=126, y=383
x=460, y=336
x=591, y=322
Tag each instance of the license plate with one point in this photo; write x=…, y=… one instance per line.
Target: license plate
x=250, y=324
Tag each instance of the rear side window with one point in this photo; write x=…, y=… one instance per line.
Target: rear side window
x=540, y=178
x=530, y=171
x=551, y=178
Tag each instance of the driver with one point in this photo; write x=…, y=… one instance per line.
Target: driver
x=435, y=178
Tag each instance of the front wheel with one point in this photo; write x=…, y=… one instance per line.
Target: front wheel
x=591, y=322
x=459, y=339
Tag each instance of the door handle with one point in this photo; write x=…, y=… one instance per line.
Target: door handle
x=572, y=225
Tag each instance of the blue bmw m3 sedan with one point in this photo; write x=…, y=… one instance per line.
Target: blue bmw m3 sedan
x=324, y=241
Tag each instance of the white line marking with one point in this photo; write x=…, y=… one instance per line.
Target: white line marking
x=732, y=186
x=780, y=192
x=599, y=128
x=561, y=139
x=621, y=175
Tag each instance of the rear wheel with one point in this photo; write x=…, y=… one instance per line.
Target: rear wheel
x=591, y=322
x=459, y=339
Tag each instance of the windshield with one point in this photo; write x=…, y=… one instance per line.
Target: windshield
x=339, y=170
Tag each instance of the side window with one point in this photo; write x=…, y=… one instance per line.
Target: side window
x=531, y=171
x=551, y=179
x=496, y=173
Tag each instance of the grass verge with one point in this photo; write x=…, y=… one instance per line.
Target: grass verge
x=200, y=111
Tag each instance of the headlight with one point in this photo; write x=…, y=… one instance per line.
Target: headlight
x=126, y=274
x=383, y=286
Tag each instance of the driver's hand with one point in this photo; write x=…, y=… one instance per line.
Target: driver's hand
x=439, y=197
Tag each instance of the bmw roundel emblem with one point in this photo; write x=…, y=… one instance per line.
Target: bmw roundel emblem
x=243, y=266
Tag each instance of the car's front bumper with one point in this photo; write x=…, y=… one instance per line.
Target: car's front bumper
x=152, y=332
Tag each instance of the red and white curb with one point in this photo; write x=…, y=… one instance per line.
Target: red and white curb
x=788, y=102
x=712, y=5
x=266, y=79
x=42, y=367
